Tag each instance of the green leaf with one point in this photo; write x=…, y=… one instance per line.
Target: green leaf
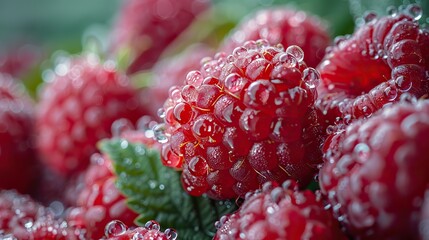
x=155, y=192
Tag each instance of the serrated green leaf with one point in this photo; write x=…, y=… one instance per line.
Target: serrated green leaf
x=155, y=192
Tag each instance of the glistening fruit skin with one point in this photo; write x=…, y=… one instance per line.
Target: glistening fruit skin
x=277, y=212
x=77, y=108
x=18, y=161
x=383, y=59
x=117, y=230
x=375, y=172
x=242, y=120
x=147, y=27
x=23, y=218
x=99, y=201
x=286, y=26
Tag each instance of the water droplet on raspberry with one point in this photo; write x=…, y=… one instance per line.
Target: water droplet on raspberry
x=124, y=144
x=194, y=78
x=175, y=94
x=404, y=84
x=288, y=60
x=198, y=166
x=183, y=112
x=362, y=151
x=259, y=94
x=369, y=16
x=296, y=51
x=391, y=93
x=392, y=10
x=234, y=82
x=114, y=228
x=138, y=236
x=406, y=97
x=189, y=93
x=159, y=133
x=311, y=77
x=121, y=125
x=152, y=225
x=414, y=11
x=171, y=234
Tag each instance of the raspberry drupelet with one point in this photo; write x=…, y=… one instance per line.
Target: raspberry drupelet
x=376, y=172
x=280, y=212
x=383, y=59
x=242, y=120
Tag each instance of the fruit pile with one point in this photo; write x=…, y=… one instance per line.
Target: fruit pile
x=275, y=132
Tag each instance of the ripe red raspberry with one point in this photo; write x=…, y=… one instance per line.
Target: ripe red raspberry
x=375, y=172
x=77, y=109
x=17, y=155
x=23, y=218
x=171, y=72
x=280, y=213
x=99, y=201
x=380, y=61
x=147, y=27
x=242, y=120
x=117, y=230
x=285, y=26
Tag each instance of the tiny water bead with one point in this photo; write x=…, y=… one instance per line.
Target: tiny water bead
x=152, y=225
x=311, y=77
x=296, y=51
x=115, y=228
x=171, y=234
x=369, y=16
x=415, y=11
x=159, y=133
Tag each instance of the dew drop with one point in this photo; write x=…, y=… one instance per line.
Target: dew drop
x=138, y=236
x=414, y=11
x=296, y=51
x=391, y=93
x=171, y=234
x=234, y=82
x=152, y=225
x=311, y=77
x=288, y=60
x=159, y=133
x=124, y=144
x=194, y=78
x=161, y=112
x=362, y=151
x=121, y=125
x=369, y=16
x=114, y=228
x=392, y=10
x=403, y=84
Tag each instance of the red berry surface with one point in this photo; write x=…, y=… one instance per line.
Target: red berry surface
x=99, y=200
x=18, y=162
x=172, y=71
x=383, y=59
x=280, y=212
x=117, y=230
x=244, y=119
x=286, y=26
x=375, y=172
x=23, y=218
x=147, y=27
x=77, y=108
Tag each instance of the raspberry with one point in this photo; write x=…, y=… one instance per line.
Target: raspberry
x=285, y=26
x=172, y=71
x=18, y=60
x=17, y=156
x=99, y=201
x=383, y=59
x=23, y=218
x=147, y=27
x=280, y=213
x=242, y=120
x=117, y=230
x=77, y=108
x=375, y=172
